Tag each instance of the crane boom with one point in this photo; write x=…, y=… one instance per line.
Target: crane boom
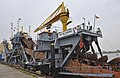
x=59, y=14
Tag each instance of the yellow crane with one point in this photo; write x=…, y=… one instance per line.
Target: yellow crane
x=61, y=13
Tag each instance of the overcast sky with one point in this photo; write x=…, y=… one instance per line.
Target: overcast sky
x=34, y=12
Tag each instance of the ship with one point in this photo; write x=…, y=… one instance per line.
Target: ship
x=69, y=53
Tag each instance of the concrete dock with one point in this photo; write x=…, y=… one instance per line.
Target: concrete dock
x=10, y=72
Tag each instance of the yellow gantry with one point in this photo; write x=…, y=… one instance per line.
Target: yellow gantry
x=61, y=13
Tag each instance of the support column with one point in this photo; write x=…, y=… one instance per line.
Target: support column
x=52, y=59
x=96, y=42
x=92, y=49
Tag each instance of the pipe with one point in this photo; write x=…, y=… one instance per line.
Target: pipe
x=52, y=59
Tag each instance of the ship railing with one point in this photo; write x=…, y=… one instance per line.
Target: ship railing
x=87, y=28
x=116, y=68
x=88, y=70
x=80, y=28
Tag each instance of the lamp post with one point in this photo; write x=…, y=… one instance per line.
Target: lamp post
x=95, y=17
x=18, y=24
x=29, y=29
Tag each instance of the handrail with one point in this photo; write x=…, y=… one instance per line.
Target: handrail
x=88, y=69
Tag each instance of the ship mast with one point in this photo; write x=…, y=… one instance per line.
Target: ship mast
x=12, y=29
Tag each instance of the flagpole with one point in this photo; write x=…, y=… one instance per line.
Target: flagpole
x=94, y=22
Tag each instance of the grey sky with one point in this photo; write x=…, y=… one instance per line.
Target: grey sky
x=34, y=12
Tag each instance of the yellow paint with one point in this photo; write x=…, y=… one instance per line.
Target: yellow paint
x=64, y=17
x=59, y=14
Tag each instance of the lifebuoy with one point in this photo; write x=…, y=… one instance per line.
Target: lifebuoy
x=81, y=44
